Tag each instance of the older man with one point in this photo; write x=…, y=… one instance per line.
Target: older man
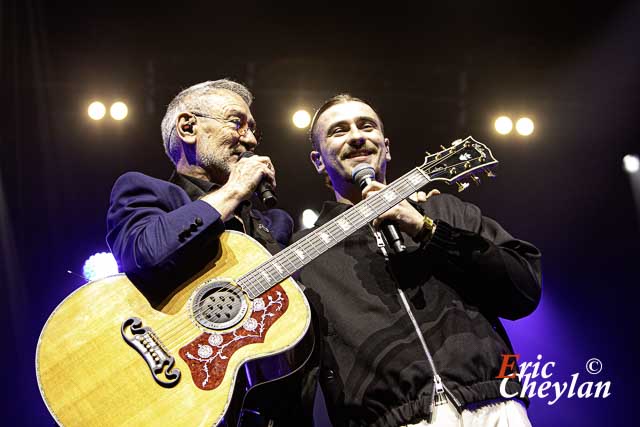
x=163, y=232
x=415, y=340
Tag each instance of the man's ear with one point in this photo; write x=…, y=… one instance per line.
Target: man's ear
x=387, y=148
x=318, y=163
x=187, y=127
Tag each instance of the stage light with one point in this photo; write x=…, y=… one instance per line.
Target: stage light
x=301, y=119
x=96, y=110
x=309, y=218
x=100, y=265
x=631, y=163
x=503, y=125
x=524, y=126
x=119, y=110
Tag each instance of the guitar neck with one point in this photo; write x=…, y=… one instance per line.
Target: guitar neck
x=464, y=157
x=314, y=244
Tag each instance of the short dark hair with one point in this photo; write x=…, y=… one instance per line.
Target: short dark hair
x=334, y=100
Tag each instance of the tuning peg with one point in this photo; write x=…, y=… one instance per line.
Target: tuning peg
x=475, y=180
x=462, y=186
x=490, y=174
x=443, y=147
x=456, y=142
x=427, y=153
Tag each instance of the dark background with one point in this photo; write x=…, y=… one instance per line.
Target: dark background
x=435, y=72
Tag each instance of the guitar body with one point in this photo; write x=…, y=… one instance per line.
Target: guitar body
x=106, y=357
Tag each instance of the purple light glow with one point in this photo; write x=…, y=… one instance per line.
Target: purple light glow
x=100, y=265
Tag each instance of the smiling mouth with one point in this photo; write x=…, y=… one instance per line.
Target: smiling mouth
x=359, y=154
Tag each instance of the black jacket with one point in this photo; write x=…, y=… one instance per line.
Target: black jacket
x=373, y=368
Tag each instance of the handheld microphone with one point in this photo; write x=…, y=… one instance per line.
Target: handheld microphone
x=264, y=190
x=362, y=175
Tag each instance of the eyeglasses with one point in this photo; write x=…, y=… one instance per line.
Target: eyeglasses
x=238, y=125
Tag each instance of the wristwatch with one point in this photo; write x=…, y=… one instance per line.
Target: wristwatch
x=427, y=230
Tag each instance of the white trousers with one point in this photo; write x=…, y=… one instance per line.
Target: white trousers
x=508, y=413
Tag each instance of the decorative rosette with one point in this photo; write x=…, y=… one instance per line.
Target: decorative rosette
x=205, y=351
x=215, y=339
x=250, y=324
x=258, y=304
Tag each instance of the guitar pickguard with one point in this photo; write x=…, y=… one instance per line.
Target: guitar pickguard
x=208, y=355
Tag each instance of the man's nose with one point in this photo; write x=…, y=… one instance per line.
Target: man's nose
x=249, y=140
x=356, y=137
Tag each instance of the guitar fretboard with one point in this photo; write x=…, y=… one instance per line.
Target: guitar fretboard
x=300, y=253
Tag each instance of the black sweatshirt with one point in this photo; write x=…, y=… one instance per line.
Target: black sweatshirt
x=373, y=368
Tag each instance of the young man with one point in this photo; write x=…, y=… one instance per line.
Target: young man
x=430, y=353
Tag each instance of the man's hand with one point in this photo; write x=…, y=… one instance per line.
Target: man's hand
x=245, y=176
x=406, y=217
x=421, y=196
x=247, y=173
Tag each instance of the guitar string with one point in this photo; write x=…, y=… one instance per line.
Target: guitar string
x=286, y=254
x=313, y=245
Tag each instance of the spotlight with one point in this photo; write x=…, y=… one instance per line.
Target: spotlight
x=301, y=119
x=96, y=110
x=119, y=110
x=503, y=125
x=631, y=163
x=524, y=126
x=309, y=218
x=100, y=265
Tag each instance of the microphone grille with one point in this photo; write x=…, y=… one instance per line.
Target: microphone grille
x=362, y=171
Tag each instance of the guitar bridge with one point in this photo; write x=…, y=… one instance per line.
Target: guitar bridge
x=147, y=344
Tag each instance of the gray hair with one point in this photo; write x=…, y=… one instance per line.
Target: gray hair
x=194, y=98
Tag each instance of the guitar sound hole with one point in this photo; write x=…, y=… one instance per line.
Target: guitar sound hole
x=219, y=305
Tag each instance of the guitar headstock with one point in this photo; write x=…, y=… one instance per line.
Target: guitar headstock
x=465, y=157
